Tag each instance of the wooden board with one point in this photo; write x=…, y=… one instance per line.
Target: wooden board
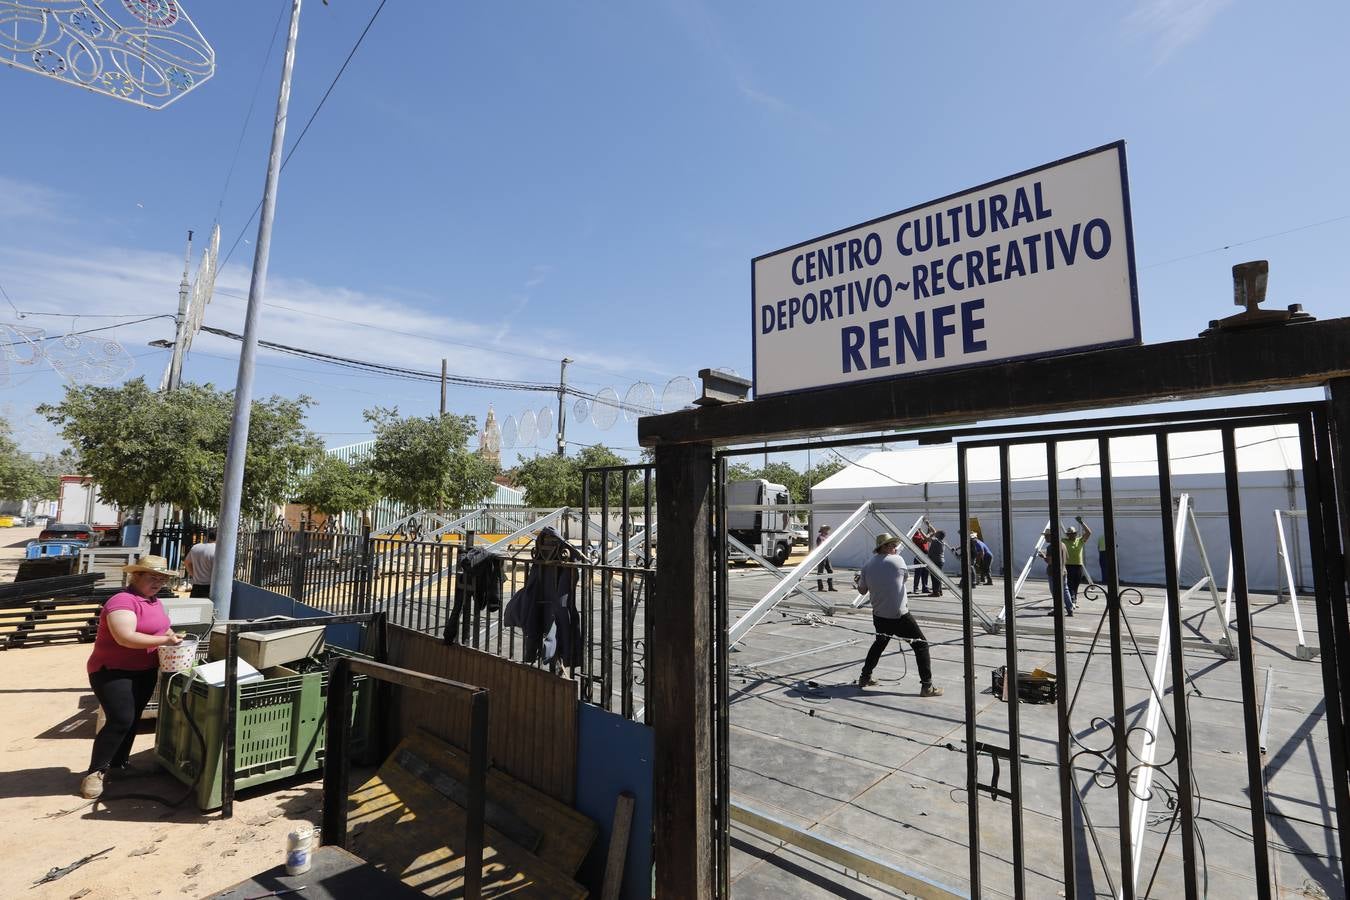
x=404, y=825
x=532, y=726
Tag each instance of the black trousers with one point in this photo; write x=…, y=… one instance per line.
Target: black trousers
x=1075, y=575
x=904, y=627
x=200, y=590
x=123, y=694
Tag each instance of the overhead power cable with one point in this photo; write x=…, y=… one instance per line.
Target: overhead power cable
x=362, y=365
x=312, y=116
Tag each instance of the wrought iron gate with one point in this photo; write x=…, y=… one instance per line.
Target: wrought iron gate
x=1121, y=780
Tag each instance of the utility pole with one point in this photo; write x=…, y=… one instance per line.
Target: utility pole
x=175, y=374
x=222, y=578
x=444, y=372
x=562, y=408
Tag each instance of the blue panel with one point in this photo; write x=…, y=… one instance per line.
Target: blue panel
x=615, y=755
x=252, y=602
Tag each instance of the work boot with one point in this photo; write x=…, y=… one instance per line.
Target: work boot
x=91, y=788
x=930, y=690
x=820, y=585
x=830, y=581
x=866, y=680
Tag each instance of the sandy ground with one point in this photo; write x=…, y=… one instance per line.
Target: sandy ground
x=46, y=730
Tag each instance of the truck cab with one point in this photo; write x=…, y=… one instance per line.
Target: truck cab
x=766, y=530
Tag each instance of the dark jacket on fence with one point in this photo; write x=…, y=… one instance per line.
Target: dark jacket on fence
x=480, y=579
x=546, y=607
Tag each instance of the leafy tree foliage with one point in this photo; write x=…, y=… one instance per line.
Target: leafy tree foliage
x=143, y=447
x=424, y=462
x=553, y=481
x=336, y=486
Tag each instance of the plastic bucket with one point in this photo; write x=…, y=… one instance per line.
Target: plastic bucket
x=178, y=657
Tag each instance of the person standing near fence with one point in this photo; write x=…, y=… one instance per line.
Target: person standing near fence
x=1074, y=541
x=824, y=568
x=883, y=579
x=124, y=667
x=920, y=540
x=200, y=563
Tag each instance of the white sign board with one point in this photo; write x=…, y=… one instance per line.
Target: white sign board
x=1036, y=264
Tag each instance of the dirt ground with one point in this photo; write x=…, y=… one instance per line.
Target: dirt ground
x=46, y=729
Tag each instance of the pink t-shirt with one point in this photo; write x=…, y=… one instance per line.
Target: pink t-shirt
x=150, y=619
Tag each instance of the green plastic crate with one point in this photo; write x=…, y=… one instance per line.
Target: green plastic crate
x=279, y=729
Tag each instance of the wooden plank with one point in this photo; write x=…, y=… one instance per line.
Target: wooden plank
x=1256, y=359
x=680, y=686
x=618, y=846
x=532, y=727
x=404, y=826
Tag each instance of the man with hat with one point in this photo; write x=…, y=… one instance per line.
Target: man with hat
x=884, y=578
x=124, y=667
x=1073, y=558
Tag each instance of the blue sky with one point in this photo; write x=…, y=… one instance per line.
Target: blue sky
x=508, y=184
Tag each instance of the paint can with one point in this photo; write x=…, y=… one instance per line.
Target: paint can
x=298, y=850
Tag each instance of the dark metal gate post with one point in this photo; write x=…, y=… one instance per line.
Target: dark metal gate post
x=680, y=679
x=298, y=570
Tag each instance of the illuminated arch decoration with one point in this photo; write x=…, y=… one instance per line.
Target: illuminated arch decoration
x=146, y=52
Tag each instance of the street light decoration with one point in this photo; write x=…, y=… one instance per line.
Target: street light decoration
x=146, y=52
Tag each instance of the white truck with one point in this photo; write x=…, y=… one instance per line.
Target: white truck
x=766, y=531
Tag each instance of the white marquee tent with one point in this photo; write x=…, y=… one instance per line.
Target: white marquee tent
x=923, y=481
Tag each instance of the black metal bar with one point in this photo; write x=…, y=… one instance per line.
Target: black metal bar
x=298, y=572
x=1119, y=723
x=968, y=663
x=1335, y=474
x=587, y=593
x=228, y=726
x=337, y=726
x=625, y=609
x=719, y=647
x=649, y=563
x=1255, y=777
x=1010, y=681
x=1181, y=714
x=606, y=603
x=1037, y=432
x=1068, y=787
x=1328, y=589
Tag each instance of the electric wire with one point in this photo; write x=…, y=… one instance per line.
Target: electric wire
x=56, y=337
x=1263, y=237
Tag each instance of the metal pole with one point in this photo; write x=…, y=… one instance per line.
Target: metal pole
x=444, y=372
x=180, y=324
x=222, y=578
x=562, y=409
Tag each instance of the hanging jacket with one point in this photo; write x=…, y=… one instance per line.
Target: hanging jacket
x=546, y=607
x=482, y=571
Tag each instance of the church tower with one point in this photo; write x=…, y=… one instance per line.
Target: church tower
x=490, y=440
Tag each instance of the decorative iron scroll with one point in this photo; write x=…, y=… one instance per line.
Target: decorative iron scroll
x=146, y=52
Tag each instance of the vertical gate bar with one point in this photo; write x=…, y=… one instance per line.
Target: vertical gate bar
x=722, y=749
x=470, y=597
x=1335, y=480
x=1119, y=733
x=1328, y=587
x=470, y=541
x=606, y=603
x=1068, y=785
x=1010, y=681
x=335, y=771
x=1181, y=713
x=625, y=610
x=587, y=592
x=650, y=564
x=968, y=664
x=1255, y=777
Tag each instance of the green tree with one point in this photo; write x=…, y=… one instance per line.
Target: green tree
x=552, y=481
x=335, y=486
x=549, y=481
x=816, y=474
x=144, y=447
x=424, y=462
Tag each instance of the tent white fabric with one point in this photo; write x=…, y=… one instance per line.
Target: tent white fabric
x=923, y=481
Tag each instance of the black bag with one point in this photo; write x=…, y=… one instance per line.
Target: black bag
x=1031, y=687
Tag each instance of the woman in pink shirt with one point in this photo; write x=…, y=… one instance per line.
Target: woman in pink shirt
x=124, y=667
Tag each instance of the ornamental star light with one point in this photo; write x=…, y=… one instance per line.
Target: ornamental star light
x=146, y=52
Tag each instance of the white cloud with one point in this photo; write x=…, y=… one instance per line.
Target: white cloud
x=1174, y=23
x=29, y=202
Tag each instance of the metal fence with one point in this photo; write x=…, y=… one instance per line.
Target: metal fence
x=419, y=585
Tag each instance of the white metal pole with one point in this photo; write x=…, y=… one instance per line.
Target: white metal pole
x=222, y=578
x=562, y=408
x=175, y=373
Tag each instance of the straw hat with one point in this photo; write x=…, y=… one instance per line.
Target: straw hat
x=157, y=565
x=883, y=539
